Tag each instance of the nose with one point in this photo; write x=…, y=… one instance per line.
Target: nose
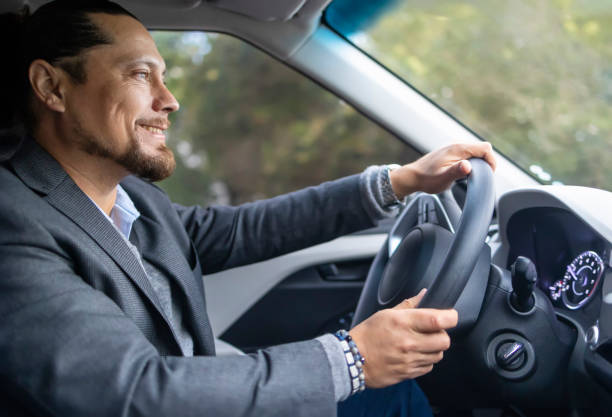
x=164, y=100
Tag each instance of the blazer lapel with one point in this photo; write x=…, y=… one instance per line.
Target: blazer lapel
x=81, y=210
x=157, y=247
x=42, y=173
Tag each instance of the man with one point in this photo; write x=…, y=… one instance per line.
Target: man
x=101, y=297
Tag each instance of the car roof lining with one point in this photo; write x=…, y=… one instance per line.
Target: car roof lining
x=279, y=27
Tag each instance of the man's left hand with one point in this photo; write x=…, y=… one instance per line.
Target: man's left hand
x=437, y=170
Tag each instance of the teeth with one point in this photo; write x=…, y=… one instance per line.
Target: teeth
x=153, y=129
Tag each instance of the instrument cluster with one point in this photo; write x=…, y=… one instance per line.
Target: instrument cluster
x=581, y=279
x=572, y=260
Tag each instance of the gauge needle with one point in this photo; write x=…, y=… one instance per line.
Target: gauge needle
x=572, y=273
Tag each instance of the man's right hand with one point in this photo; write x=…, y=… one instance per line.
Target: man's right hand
x=402, y=342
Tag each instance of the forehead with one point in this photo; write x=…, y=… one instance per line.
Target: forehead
x=130, y=40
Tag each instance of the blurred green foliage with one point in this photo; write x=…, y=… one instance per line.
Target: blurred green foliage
x=534, y=77
x=251, y=128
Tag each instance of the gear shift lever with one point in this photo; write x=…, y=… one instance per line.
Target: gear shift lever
x=524, y=277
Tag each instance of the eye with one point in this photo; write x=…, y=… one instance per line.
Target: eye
x=141, y=75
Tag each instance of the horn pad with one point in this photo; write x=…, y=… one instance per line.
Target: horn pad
x=414, y=264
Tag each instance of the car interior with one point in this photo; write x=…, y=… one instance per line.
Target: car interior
x=526, y=263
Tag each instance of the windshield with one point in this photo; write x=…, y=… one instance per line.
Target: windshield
x=533, y=77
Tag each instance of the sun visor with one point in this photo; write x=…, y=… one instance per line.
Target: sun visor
x=262, y=10
x=14, y=5
x=265, y=10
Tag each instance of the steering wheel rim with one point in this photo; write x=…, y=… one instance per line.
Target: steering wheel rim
x=459, y=251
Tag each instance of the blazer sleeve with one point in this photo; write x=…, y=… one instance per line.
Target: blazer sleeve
x=68, y=350
x=226, y=237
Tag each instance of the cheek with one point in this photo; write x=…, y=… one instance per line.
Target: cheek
x=127, y=107
x=98, y=110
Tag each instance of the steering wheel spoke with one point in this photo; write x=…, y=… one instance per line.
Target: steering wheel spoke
x=423, y=209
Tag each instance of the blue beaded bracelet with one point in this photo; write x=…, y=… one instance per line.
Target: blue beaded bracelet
x=354, y=361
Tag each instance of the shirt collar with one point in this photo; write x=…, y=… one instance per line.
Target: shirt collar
x=123, y=214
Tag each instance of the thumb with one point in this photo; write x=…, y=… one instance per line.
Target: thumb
x=412, y=302
x=460, y=169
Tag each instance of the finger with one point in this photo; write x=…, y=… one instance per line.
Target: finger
x=427, y=320
x=482, y=150
x=489, y=156
x=464, y=167
x=429, y=358
x=410, y=371
x=419, y=371
x=411, y=302
x=430, y=343
x=460, y=169
x=424, y=343
x=457, y=170
x=424, y=370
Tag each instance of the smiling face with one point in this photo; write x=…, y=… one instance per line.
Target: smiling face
x=121, y=110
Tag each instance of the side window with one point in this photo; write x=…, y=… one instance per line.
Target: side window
x=251, y=128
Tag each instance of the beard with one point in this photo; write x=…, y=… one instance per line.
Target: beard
x=133, y=159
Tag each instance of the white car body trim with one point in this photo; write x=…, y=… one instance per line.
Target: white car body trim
x=591, y=205
x=229, y=294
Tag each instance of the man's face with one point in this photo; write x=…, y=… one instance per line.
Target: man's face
x=121, y=111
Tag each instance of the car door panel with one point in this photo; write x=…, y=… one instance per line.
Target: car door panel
x=231, y=293
x=312, y=301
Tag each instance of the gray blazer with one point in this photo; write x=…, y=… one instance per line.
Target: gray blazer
x=82, y=332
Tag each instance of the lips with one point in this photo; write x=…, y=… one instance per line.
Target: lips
x=155, y=128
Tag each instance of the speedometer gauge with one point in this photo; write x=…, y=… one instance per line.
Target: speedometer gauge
x=581, y=279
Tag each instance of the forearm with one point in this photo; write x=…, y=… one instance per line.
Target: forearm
x=337, y=363
x=226, y=237
x=278, y=381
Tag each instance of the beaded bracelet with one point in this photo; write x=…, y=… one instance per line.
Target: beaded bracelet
x=354, y=360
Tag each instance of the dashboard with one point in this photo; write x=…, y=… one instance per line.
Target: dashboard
x=571, y=259
x=566, y=232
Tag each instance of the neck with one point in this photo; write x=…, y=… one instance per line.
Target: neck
x=92, y=180
x=97, y=177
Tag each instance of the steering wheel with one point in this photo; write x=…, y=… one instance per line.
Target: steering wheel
x=424, y=251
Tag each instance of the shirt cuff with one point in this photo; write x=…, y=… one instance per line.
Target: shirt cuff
x=372, y=194
x=337, y=362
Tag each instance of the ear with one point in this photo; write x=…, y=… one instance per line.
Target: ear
x=47, y=83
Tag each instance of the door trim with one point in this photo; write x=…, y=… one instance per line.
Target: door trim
x=230, y=293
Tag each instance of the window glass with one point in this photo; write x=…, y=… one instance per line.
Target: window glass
x=534, y=77
x=251, y=128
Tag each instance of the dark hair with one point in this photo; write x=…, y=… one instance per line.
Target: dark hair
x=57, y=30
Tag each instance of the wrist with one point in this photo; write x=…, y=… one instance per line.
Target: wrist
x=360, y=339
x=388, y=196
x=403, y=181
x=354, y=360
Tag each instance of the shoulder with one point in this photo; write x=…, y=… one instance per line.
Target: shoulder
x=15, y=196
x=22, y=211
